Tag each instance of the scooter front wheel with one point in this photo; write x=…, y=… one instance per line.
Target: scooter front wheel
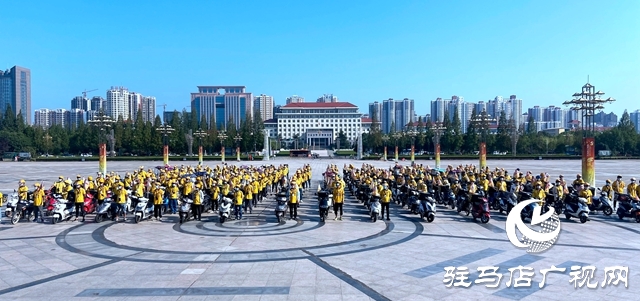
x=56, y=219
x=430, y=217
x=374, y=217
x=15, y=218
x=607, y=211
x=637, y=218
x=484, y=219
x=138, y=218
x=98, y=218
x=583, y=219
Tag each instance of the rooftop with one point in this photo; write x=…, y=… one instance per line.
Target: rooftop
x=319, y=105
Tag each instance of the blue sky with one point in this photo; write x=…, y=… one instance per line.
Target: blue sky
x=361, y=51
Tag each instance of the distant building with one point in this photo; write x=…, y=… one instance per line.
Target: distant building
x=294, y=99
x=394, y=114
x=375, y=111
x=117, y=103
x=79, y=102
x=319, y=124
x=606, y=120
x=41, y=118
x=15, y=91
x=635, y=119
x=58, y=117
x=75, y=117
x=221, y=104
x=326, y=98
x=97, y=103
x=264, y=104
x=148, y=109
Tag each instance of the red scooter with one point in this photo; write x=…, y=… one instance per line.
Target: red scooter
x=89, y=204
x=480, y=208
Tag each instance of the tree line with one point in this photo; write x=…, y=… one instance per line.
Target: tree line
x=621, y=140
x=131, y=137
x=136, y=137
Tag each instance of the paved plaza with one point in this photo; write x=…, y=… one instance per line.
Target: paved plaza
x=258, y=259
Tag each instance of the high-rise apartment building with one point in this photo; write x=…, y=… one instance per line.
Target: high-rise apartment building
x=294, y=99
x=438, y=108
x=97, y=103
x=635, y=119
x=394, y=115
x=148, y=109
x=264, y=104
x=79, y=102
x=58, y=117
x=15, y=91
x=325, y=98
x=41, y=118
x=75, y=117
x=222, y=103
x=375, y=111
x=117, y=103
x=135, y=104
x=606, y=120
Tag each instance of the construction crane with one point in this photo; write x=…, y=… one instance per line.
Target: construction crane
x=84, y=93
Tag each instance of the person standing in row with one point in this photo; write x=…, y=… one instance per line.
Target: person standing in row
x=174, y=193
x=293, y=203
x=38, y=202
x=338, y=200
x=158, y=202
x=385, y=199
x=121, y=201
x=197, y=203
x=79, y=194
x=239, y=197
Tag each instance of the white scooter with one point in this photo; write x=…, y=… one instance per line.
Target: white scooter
x=104, y=211
x=224, y=209
x=62, y=211
x=375, y=208
x=281, y=207
x=578, y=209
x=185, y=209
x=12, y=202
x=143, y=209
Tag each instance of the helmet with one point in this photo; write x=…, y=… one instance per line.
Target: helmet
x=608, y=181
x=60, y=178
x=36, y=185
x=619, y=177
x=633, y=179
x=21, y=181
x=90, y=178
x=78, y=176
x=578, y=176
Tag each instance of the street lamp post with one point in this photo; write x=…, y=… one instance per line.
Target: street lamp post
x=385, y=138
x=200, y=134
x=412, y=134
x=514, y=136
x=481, y=122
x=165, y=130
x=222, y=136
x=47, y=138
x=396, y=137
x=237, y=138
x=588, y=101
x=437, y=129
x=102, y=122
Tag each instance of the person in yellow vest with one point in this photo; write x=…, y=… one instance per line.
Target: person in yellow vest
x=38, y=202
x=121, y=202
x=2, y=200
x=23, y=190
x=101, y=192
x=196, y=208
x=539, y=194
x=79, y=193
x=632, y=189
x=158, y=201
x=58, y=187
x=138, y=189
x=174, y=194
x=238, y=199
x=338, y=200
x=293, y=203
x=608, y=189
x=255, y=185
x=585, y=192
x=247, y=189
x=385, y=199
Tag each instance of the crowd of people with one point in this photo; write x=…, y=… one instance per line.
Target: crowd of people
x=246, y=186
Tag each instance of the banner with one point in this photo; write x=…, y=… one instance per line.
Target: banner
x=200, y=154
x=483, y=155
x=413, y=153
x=437, y=155
x=385, y=153
x=102, y=163
x=165, y=155
x=222, y=154
x=589, y=161
x=396, y=153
